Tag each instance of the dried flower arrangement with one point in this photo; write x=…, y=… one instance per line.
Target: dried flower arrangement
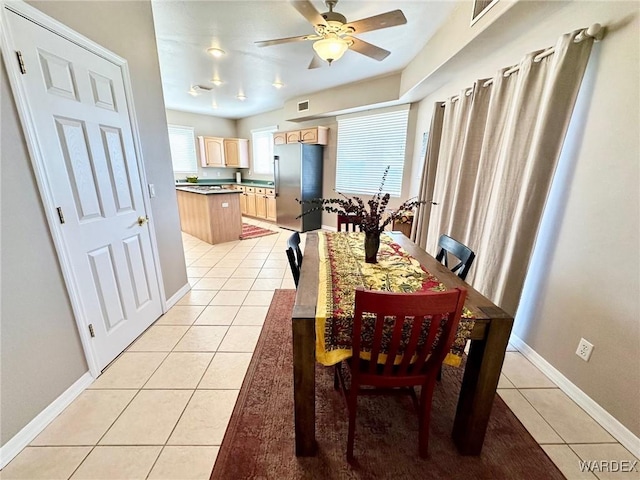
x=371, y=213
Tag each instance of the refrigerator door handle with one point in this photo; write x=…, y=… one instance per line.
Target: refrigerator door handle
x=276, y=174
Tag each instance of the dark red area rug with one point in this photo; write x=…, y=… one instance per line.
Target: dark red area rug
x=259, y=442
x=253, y=231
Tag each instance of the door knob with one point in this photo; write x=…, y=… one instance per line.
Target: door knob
x=142, y=220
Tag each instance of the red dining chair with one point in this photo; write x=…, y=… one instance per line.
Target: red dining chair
x=349, y=223
x=416, y=330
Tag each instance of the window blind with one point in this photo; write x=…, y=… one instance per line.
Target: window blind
x=367, y=144
x=183, y=149
x=262, y=149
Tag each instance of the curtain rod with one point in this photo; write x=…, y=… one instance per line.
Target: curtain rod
x=594, y=31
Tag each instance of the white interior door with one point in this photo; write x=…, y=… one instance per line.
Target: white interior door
x=77, y=105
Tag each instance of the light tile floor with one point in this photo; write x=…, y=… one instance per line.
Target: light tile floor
x=160, y=410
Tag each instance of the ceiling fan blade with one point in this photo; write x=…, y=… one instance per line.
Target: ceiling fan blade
x=384, y=20
x=316, y=62
x=278, y=41
x=308, y=11
x=368, y=49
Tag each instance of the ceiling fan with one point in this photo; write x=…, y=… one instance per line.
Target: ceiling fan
x=334, y=35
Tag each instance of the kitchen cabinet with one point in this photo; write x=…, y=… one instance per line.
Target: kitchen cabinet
x=243, y=200
x=250, y=195
x=213, y=217
x=261, y=203
x=211, y=151
x=271, y=205
x=280, y=138
x=258, y=202
x=224, y=152
x=313, y=135
x=293, y=137
x=236, y=152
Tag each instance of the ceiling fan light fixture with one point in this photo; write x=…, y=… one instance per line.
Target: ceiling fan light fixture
x=331, y=48
x=278, y=85
x=216, y=52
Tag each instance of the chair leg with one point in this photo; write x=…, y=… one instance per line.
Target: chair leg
x=426, y=399
x=353, y=406
x=439, y=376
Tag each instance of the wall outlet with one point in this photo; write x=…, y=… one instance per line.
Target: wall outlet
x=584, y=350
x=218, y=173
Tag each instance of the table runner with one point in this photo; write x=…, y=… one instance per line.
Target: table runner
x=342, y=268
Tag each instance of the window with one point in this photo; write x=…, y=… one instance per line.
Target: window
x=367, y=144
x=262, y=153
x=183, y=149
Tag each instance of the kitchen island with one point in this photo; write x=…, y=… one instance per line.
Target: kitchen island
x=210, y=213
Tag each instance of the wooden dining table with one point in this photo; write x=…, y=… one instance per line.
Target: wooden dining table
x=489, y=339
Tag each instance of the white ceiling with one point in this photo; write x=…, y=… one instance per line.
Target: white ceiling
x=185, y=29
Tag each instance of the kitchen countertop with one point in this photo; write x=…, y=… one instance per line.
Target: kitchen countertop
x=250, y=183
x=205, y=189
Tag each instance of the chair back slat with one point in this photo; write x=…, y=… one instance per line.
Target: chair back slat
x=422, y=314
x=394, y=345
x=376, y=345
x=412, y=344
x=349, y=223
x=463, y=253
x=427, y=354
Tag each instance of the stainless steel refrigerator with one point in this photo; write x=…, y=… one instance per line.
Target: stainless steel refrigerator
x=298, y=176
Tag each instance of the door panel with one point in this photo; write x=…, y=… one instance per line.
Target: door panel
x=80, y=168
x=106, y=282
x=117, y=167
x=77, y=103
x=135, y=263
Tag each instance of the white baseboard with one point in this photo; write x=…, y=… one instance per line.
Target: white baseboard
x=14, y=446
x=177, y=296
x=618, y=431
x=327, y=227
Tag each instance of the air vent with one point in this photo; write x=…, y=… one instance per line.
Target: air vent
x=303, y=106
x=480, y=7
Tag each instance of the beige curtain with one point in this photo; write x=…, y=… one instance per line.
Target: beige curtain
x=423, y=212
x=496, y=158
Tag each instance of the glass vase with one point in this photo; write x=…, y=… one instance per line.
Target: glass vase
x=371, y=246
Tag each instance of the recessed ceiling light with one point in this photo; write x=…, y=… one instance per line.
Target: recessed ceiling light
x=193, y=91
x=216, y=81
x=214, y=104
x=278, y=85
x=216, y=52
x=241, y=96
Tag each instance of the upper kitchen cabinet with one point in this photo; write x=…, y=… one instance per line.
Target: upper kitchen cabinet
x=313, y=135
x=211, y=151
x=224, y=152
x=236, y=152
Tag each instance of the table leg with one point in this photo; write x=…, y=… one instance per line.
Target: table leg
x=304, y=385
x=479, y=384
